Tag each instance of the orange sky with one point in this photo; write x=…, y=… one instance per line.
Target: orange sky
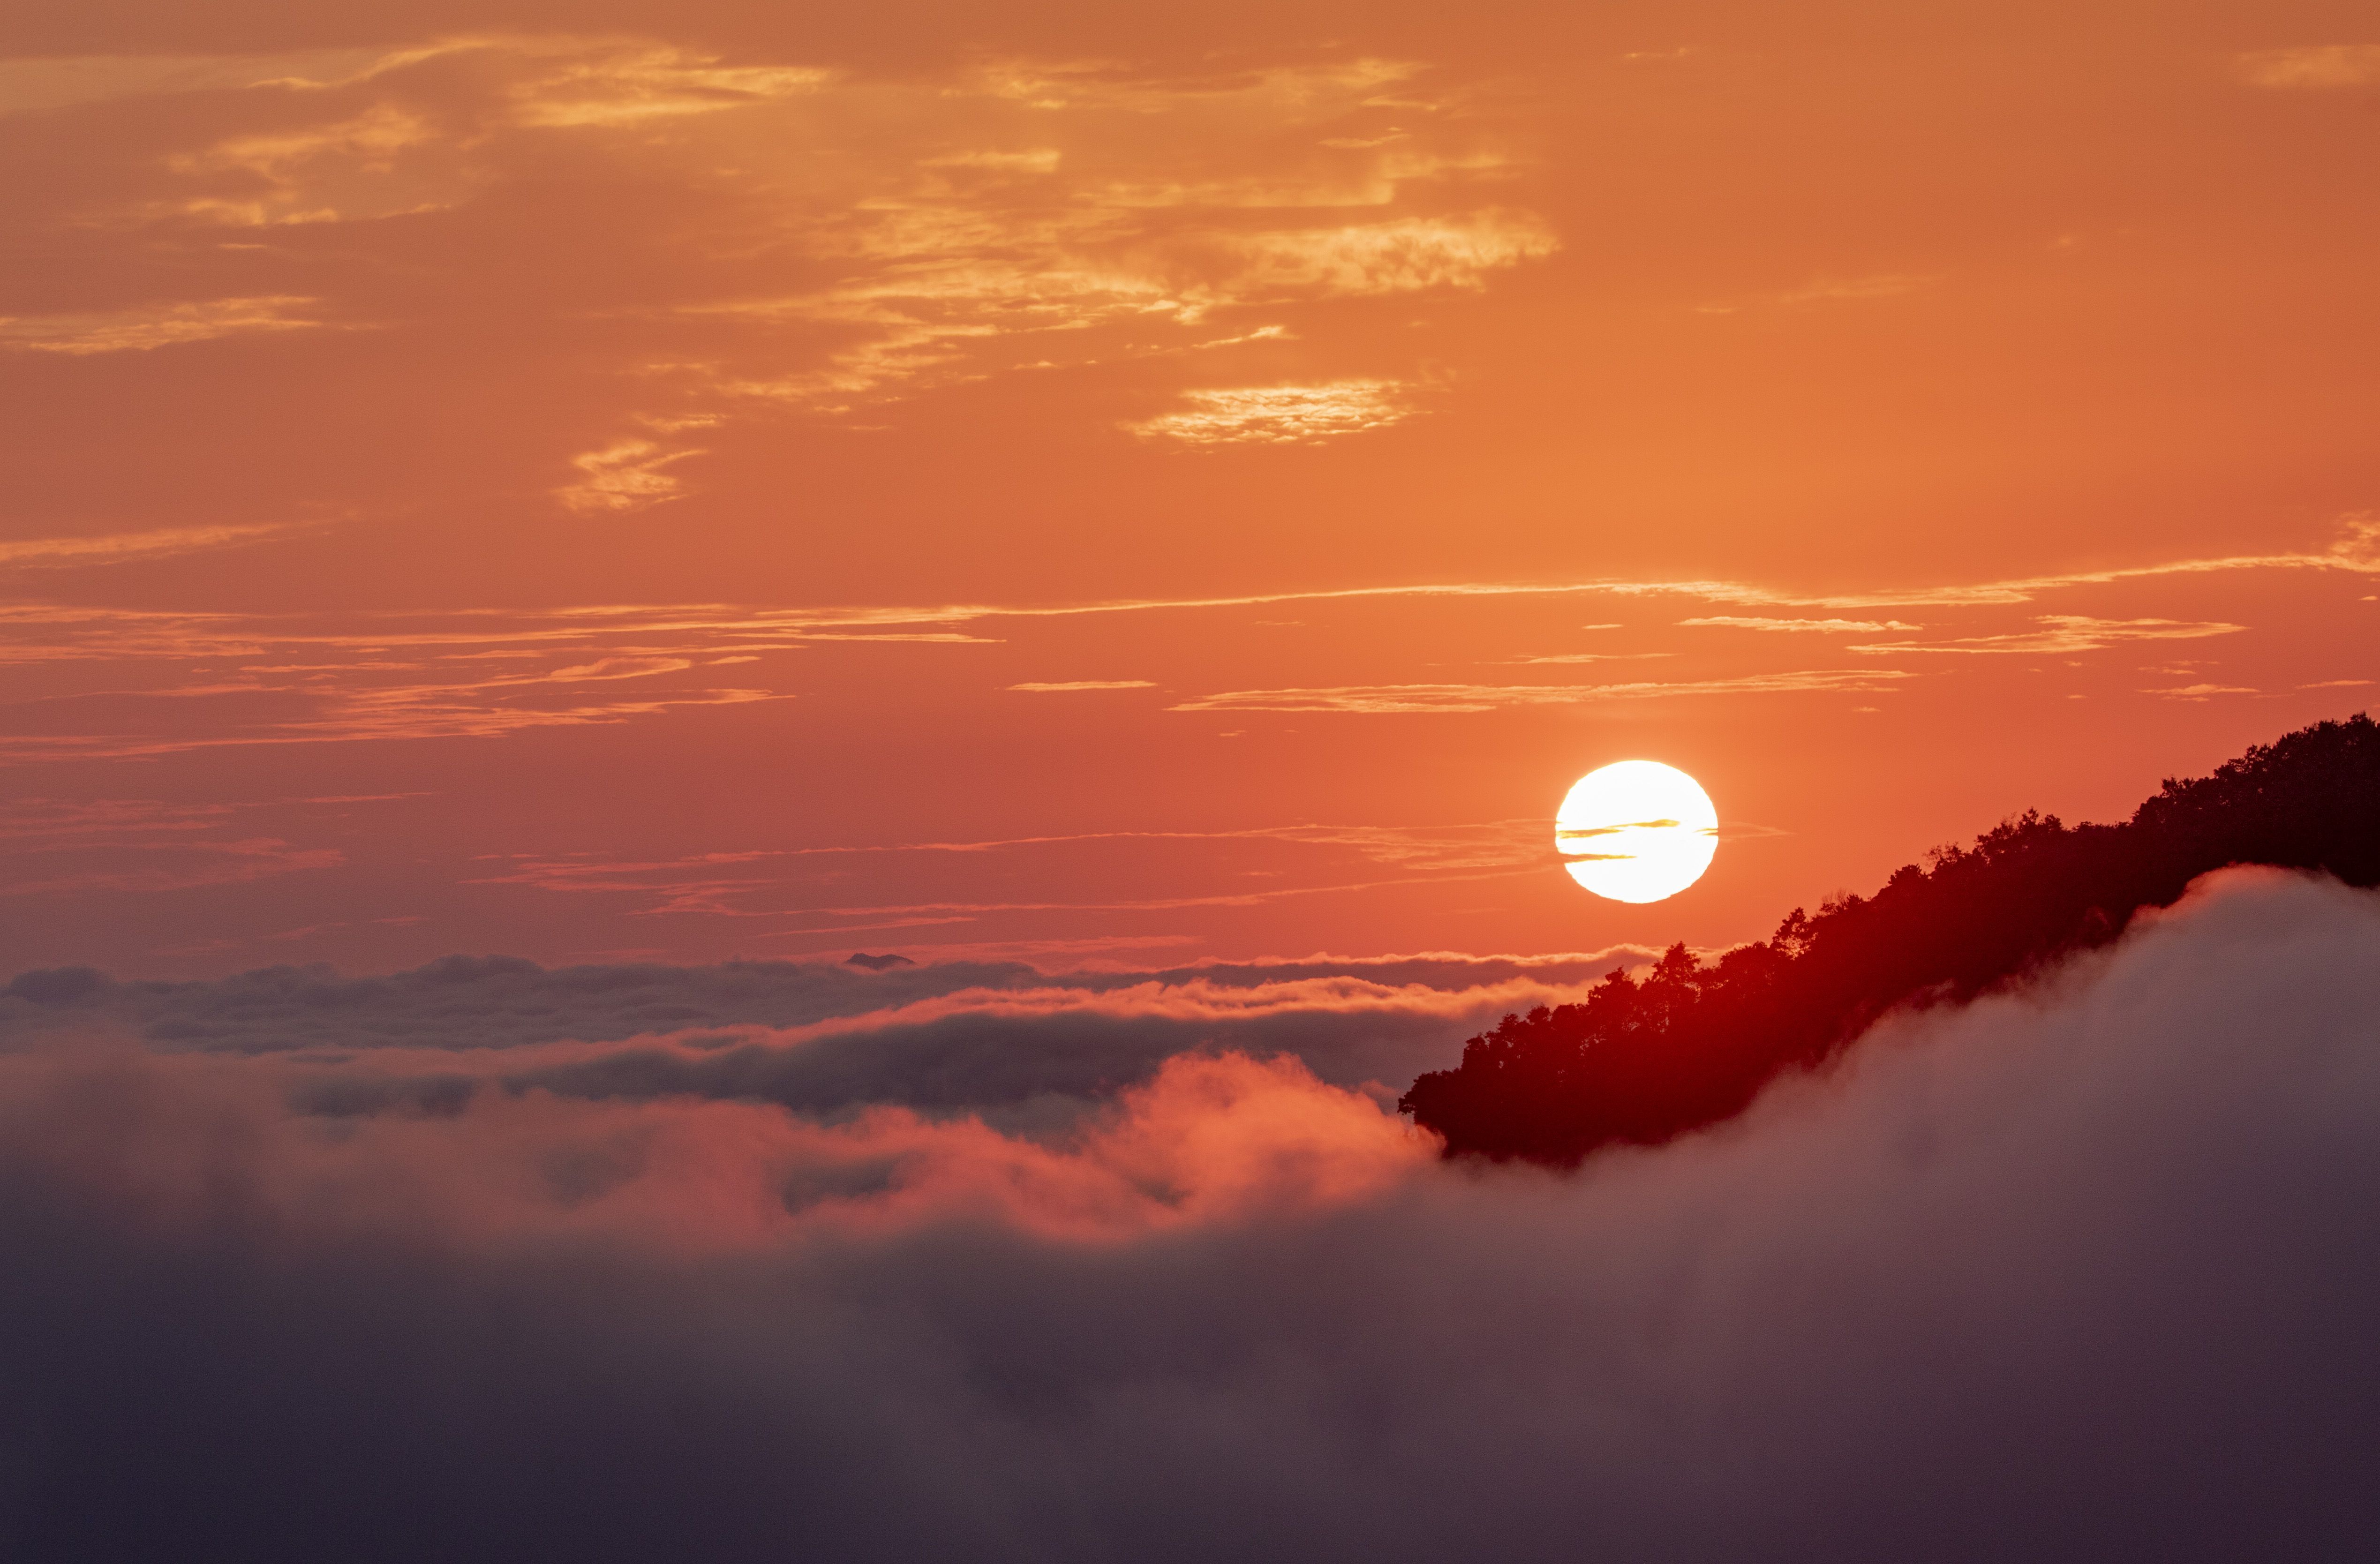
x=1143, y=483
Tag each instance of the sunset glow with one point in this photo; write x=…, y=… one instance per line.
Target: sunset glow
x=648, y=489
x=774, y=779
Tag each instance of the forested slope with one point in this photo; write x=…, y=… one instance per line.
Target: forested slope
x=1692, y=1042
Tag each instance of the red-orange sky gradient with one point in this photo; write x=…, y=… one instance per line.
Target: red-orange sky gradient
x=1143, y=483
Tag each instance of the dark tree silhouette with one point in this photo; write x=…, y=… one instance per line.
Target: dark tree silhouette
x=1692, y=1043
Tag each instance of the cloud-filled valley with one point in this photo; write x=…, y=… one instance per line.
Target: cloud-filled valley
x=2076, y=1271
x=997, y=1038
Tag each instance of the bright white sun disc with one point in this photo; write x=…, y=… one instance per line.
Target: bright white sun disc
x=1636, y=830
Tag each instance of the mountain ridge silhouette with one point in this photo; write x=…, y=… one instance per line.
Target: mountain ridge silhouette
x=1692, y=1043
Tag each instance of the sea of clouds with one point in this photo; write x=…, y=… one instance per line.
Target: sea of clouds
x=1003, y=1041
x=990, y=1265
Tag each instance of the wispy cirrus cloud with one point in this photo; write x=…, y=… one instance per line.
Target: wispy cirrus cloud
x=59, y=81
x=108, y=548
x=1398, y=699
x=984, y=219
x=630, y=84
x=2202, y=691
x=2356, y=552
x=1281, y=415
x=144, y=327
x=2067, y=633
x=627, y=475
x=1829, y=291
x=1069, y=686
x=359, y=693
x=391, y=674
x=1583, y=657
x=1403, y=255
x=955, y=283
x=1799, y=626
x=344, y=136
x=2314, y=67
x=1024, y=215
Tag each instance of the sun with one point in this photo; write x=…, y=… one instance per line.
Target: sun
x=1636, y=830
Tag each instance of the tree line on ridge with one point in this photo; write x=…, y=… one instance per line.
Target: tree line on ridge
x=1692, y=1042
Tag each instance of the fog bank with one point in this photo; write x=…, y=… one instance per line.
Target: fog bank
x=2082, y=1272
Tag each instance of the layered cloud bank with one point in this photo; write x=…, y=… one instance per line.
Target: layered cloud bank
x=2079, y=1273
x=997, y=1040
